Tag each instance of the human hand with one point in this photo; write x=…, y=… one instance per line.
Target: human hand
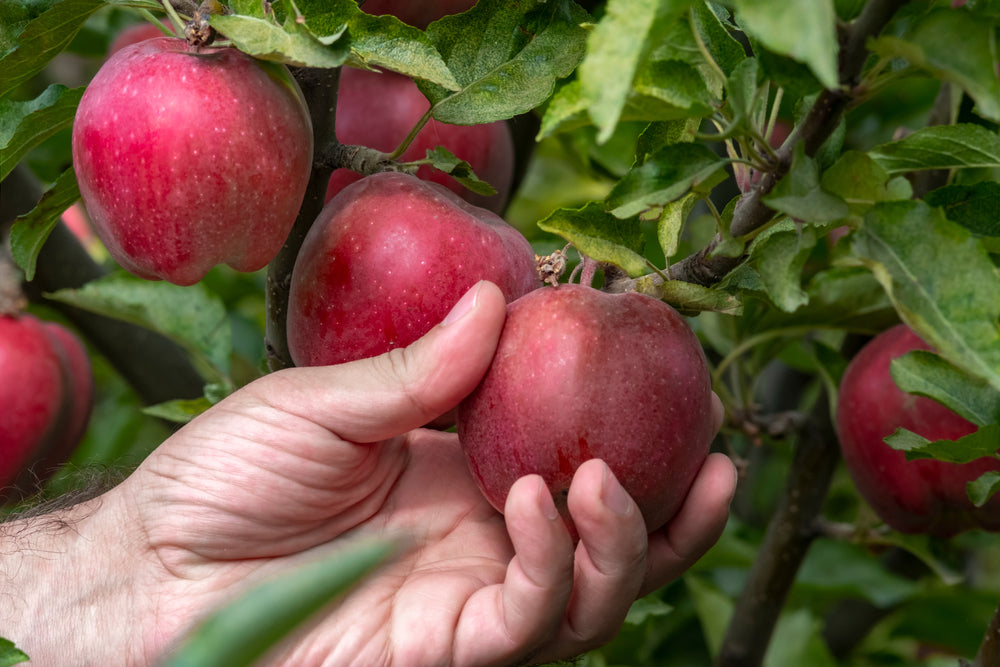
x=310, y=456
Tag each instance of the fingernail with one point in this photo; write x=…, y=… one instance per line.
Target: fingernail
x=545, y=502
x=613, y=495
x=464, y=305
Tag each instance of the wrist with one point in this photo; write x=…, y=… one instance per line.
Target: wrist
x=66, y=586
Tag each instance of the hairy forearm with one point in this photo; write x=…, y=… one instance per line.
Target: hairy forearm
x=66, y=589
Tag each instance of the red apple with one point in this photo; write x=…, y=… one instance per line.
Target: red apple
x=419, y=13
x=581, y=374
x=47, y=396
x=191, y=157
x=920, y=496
x=387, y=259
x=378, y=110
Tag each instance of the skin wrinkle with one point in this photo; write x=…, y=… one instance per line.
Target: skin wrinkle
x=399, y=364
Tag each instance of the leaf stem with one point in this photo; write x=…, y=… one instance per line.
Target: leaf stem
x=174, y=17
x=149, y=16
x=401, y=148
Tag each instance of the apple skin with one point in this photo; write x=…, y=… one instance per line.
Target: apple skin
x=378, y=110
x=190, y=158
x=921, y=496
x=47, y=394
x=419, y=13
x=387, y=259
x=581, y=374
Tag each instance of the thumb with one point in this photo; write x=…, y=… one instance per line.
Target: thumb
x=373, y=399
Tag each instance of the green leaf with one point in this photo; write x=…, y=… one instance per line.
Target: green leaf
x=972, y=447
x=294, y=44
x=615, y=51
x=713, y=609
x=924, y=548
x=800, y=195
x=843, y=569
x=779, y=254
x=663, y=177
x=963, y=146
x=600, y=236
x=926, y=374
x=983, y=488
x=24, y=125
x=957, y=46
x=193, y=317
x=940, y=279
x=671, y=81
x=380, y=41
x=30, y=231
x=180, y=411
x=690, y=298
x=796, y=78
x=664, y=133
x=10, y=654
x=972, y=206
x=42, y=39
x=741, y=92
x=805, y=30
x=506, y=57
x=722, y=46
x=668, y=89
x=443, y=159
x=566, y=109
x=248, y=626
x=15, y=17
x=646, y=608
x=846, y=297
x=671, y=223
x=857, y=179
x=798, y=641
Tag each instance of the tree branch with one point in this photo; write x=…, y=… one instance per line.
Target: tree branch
x=989, y=650
x=790, y=533
x=786, y=542
x=319, y=86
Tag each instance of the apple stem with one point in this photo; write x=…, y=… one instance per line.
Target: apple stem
x=588, y=269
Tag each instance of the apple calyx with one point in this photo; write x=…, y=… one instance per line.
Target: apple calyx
x=551, y=267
